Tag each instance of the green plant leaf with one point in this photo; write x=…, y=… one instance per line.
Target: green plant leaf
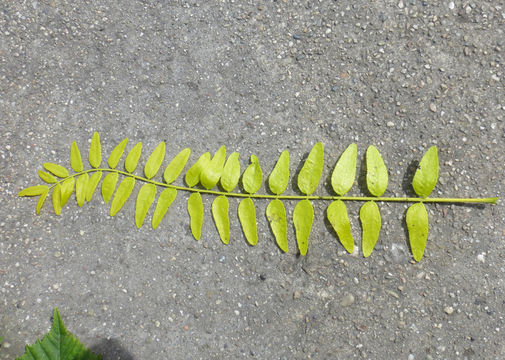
x=92, y=184
x=109, y=185
x=276, y=215
x=312, y=169
x=48, y=178
x=57, y=199
x=231, y=173
x=122, y=194
x=279, y=177
x=303, y=216
x=417, y=225
x=212, y=172
x=176, y=166
x=67, y=188
x=57, y=170
x=34, y=190
x=95, y=151
x=247, y=217
x=145, y=198
x=165, y=199
x=253, y=176
x=41, y=201
x=370, y=217
x=154, y=161
x=116, y=154
x=75, y=158
x=80, y=188
x=344, y=173
x=339, y=220
x=376, y=172
x=195, y=210
x=193, y=175
x=220, y=213
x=426, y=175
x=133, y=157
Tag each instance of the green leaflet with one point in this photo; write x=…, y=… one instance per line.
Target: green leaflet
x=57, y=199
x=370, y=217
x=57, y=170
x=339, y=220
x=34, y=190
x=67, y=188
x=41, y=201
x=231, y=173
x=303, y=216
x=193, y=175
x=251, y=180
x=48, y=178
x=195, y=210
x=279, y=177
x=312, y=169
x=109, y=185
x=376, y=172
x=145, y=198
x=95, y=151
x=122, y=194
x=220, y=213
x=154, y=162
x=75, y=158
x=133, y=157
x=116, y=154
x=426, y=175
x=212, y=172
x=247, y=217
x=344, y=173
x=276, y=215
x=165, y=199
x=92, y=184
x=175, y=167
x=417, y=225
x=80, y=188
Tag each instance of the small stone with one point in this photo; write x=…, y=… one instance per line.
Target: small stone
x=347, y=300
x=390, y=124
x=466, y=51
x=433, y=107
x=296, y=294
x=296, y=37
x=481, y=257
x=451, y=5
x=57, y=254
x=401, y=5
x=263, y=277
x=334, y=88
x=448, y=310
x=222, y=259
x=6, y=345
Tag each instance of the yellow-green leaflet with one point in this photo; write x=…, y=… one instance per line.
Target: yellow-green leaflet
x=279, y=177
x=34, y=190
x=426, y=175
x=165, y=199
x=145, y=198
x=116, y=154
x=276, y=215
x=303, y=216
x=195, y=210
x=57, y=199
x=417, y=224
x=67, y=188
x=92, y=184
x=109, y=185
x=220, y=213
x=122, y=194
x=212, y=172
x=247, y=217
x=133, y=157
x=344, y=173
x=376, y=172
x=175, y=167
x=154, y=162
x=371, y=224
x=95, y=151
x=48, y=178
x=41, y=201
x=339, y=220
x=231, y=173
x=312, y=169
x=80, y=188
x=251, y=180
x=55, y=169
x=75, y=158
x=193, y=175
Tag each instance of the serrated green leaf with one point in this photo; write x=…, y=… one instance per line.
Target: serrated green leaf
x=193, y=175
x=370, y=217
x=80, y=188
x=48, y=178
x=33, y=190
x=417, y=225
x=57, y=199
x=231, y=173
x=75, y=158
x=253, y=176
x=220, y=208
x=133, y=157
x=165, y=199
x=276, y=215
x=92, y=184
x=312, y=169
x=376, y=172
x=154, y=162
x=67, y=188
x=303, y=217
x=279, y=177
x=247, y=217
x=41, y=201
x=95, y=151
x=426, y=175
x=55, y=169
x=145, y=198
x=176, y=166
x=116, y=154
x=212, y=172
x=109, y=185
x=339, y=220
x=122, y=194
x=344, y=173
x=195, y=210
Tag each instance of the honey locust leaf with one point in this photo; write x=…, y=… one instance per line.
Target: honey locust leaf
x=57, y=199
x=80, y=188
x=34, y=190
x=339, y=220
x=41, y=201
x=133, y=157
x=247, y=217
x=109, y=185
x=154, y=161
x=276, y=215
x=145, y=198
x=220, y=213
x=165, y=199
x=67, y=188
x=376, y=172
x=417, y=225
x=251, y=180
x=212, y=172
x=48, y=178
x=195, y=210
x=75, y=158
x=193, y=175
x=231, y=172
x=176, y=166
x=92, y=184
x=344, y=173
x=95, y=151
x=426, y=175
x=303, y=216
x=57, y=170
x=312, y=169
x=116, y=154
x=279, y=177
x=370, y=217
x=122, y=194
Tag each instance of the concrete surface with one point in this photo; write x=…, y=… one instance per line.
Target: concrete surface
x=258, y=77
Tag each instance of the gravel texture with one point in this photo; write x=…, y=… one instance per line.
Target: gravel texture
x=258, y=77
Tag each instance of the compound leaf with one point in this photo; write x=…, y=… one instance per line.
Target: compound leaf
x=279, y=177
x=247, y=217
x=122, y=194
x=92, y=184
x=67, y=188
x=426, y=175
x=376, y=172
x=34, y=190
x=145, y=198
x=251, y=180
x=57, y=199
x=41, y=201
x=417, y=225
x=344, y=173
x=116, y=154
x=339, y=220
x=55, y=169
x=193, y=175
x=165, y=199
x=80, y=188
x=195, y=210
x=175, y=167
x=154, y=161
x=48, y=178
x=370, y=217
x=312, y=169
x=231, y=172
x=109, y=185
x=95, y=151
x=276, y=215
x=303, y=216
x=75, y=158
x=212, y=172
x=220, y=213
x=133, y=157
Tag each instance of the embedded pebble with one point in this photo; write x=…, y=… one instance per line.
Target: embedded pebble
x=347, y=300
x=448, y=310
x=433, y=107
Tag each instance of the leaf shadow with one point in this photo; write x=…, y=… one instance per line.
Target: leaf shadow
x=362, y=176
x=111, y=349
x=408, y=178
x=294, y=178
